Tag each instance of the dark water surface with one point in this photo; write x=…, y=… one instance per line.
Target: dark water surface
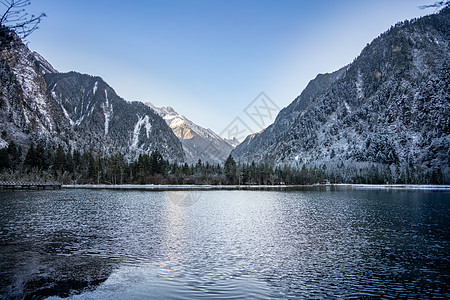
x=224, y=244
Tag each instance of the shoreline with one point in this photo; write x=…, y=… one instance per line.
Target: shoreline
x=340, y=186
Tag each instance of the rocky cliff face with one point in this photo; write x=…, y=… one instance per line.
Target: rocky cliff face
x=198, y=142
x=390, y=107
x=26, y=110
x=40, y=105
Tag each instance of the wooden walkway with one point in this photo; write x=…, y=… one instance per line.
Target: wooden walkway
x=15, y=185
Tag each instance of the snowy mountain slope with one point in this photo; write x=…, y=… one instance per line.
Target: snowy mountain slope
x=40, y=105
x=254, y=147
x=389, y=108
x=26, y=111
x=43, y=65
x=97, y=113
x=198, y=142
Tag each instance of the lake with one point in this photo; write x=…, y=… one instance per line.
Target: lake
x=104, y=244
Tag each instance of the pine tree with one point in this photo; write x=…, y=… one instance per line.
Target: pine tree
x=230, y=170
x=30, y=158
x=60, y=160
x=4, y=159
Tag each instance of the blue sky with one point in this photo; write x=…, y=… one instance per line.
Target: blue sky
x=210, y=59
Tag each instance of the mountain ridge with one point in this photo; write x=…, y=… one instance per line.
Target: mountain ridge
x=389, y=110
x=76, y=111
x=199, y=143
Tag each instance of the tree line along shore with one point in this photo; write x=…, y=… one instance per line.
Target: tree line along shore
x=73, y=167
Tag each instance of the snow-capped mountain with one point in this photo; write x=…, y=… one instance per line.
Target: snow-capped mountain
x=388, y=109
x=76, y=111
x=198, y=142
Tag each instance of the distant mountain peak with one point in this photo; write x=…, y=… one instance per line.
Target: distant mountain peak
x=198, y=142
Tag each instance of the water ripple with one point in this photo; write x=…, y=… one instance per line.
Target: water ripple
x=228, y=244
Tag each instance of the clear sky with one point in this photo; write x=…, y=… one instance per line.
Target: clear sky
x=210, y=58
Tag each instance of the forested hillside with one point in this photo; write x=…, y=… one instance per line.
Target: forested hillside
x=385, y=115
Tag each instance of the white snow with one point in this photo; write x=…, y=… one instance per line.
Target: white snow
x=349, y=110
x=54, y=86
x=107, y=111
x=94, y=90
x=359, y=86
x=24, y=70
x=46, y=66
x=148, y=127
x=78, y=122
x=3, y=143
x=67, y=115
x=164, y=187
x=176, y=122
x=91, y=111
x=144, y=121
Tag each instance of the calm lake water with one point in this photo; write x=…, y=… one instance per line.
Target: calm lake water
x=101, y=244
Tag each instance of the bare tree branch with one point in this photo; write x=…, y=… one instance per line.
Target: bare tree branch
x=16, y=18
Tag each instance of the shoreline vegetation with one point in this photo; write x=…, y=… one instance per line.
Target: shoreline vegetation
x=319, y=187
x=42, y=164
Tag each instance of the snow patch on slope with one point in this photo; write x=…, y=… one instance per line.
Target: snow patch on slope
x=67, y=115
x=174, y=121
x=45, y=66
x=359, y=86
x=94, y=90
x=78, y=122
x=144, y=121
x=349, y=110
x=3, y=143
x=26, y=75
x=107, y=111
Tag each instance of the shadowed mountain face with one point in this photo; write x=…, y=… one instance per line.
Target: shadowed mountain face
x=198, y=143
x=93, y=108
x=40, y=105
x=390, y=107
x=255, y=146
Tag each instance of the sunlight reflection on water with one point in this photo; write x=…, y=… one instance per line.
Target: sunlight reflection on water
x=227, y=244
